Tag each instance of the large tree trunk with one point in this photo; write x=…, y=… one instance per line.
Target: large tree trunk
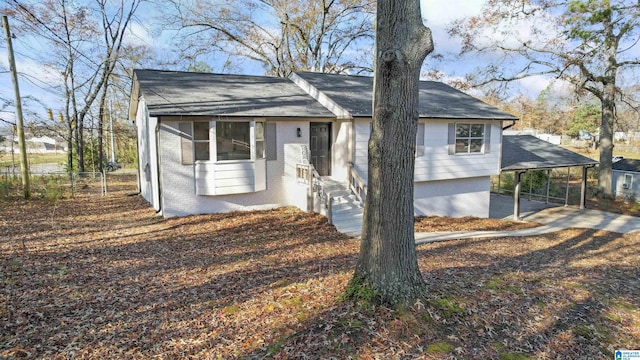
x=606, y=142
x=388, y=263
x=608, y=109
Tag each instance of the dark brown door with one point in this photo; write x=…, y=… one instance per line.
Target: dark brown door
x=320, y=147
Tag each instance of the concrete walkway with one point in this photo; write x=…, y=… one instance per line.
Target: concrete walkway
x=553, y=218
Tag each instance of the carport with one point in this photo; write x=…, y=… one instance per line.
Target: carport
x=522, y=153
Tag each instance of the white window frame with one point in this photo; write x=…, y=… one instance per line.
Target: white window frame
x=485, y=128
x=193, y=131
x=213, y=154
x=214, y=144
x=628, y=184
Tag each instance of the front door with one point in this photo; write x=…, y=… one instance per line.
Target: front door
x=320, y=147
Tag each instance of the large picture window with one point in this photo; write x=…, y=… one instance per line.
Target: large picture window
x=222, y=141
x=469, y=138
x=233, y=140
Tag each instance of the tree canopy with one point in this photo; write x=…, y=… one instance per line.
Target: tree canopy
x=585, y=43
x=282, y=36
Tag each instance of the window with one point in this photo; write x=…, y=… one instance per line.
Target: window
x=628, y=181
x=260, y=150
x=201, y=140
x=233, y=140
x=469, y=138
x=186, y=142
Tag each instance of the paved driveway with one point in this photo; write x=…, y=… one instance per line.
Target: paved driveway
x=552, y=217
x=559, y=216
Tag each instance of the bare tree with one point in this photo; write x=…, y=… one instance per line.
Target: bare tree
x=585, y=43
x=282, y=35
x=388, y=263
x=87, y=67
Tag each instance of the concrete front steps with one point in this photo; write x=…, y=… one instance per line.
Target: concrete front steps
x=346, y=210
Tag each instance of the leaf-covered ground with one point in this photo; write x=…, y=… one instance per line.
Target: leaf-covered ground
x=106, y=278
x=468, y=223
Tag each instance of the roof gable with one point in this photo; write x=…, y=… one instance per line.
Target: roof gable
x=204, y=94
x=353, y=94
x=630, y=165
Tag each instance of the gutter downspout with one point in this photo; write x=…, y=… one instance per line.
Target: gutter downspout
x=513, y=122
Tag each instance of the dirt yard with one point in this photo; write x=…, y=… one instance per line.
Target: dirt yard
x=107, y=278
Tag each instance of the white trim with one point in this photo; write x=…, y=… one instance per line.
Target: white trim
x=322, y=98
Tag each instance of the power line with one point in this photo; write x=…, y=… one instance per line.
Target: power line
x=54, y=33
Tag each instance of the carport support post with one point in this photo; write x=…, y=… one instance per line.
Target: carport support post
x=548, y=185
x=583, y=188
x=516, y=196
x=566, y=196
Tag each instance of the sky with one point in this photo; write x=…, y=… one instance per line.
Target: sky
x=438, y=14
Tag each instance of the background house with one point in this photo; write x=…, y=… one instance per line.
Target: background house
x=626, y=178
x=214, y=143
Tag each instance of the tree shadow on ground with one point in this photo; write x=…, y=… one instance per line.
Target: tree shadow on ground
x=562, y=295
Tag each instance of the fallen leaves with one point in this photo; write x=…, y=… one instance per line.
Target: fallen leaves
x=107, y=278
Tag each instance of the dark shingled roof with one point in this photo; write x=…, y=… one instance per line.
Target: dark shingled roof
x=187, y=93
x=630, y=165
x=437, y=100
x=522, y=152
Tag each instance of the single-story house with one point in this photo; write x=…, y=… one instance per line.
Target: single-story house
x=626, y=178
x=217, y=142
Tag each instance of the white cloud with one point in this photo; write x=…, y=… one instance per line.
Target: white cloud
x=136, y=35
x=533, y=85
x=45, y=75
x=438, y=15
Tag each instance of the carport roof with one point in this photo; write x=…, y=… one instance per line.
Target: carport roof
x=526, y=152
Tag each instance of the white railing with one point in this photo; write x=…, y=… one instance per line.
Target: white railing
x=357, y=184
x=307, y=174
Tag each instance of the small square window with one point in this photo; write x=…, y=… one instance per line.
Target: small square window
x=469, y=138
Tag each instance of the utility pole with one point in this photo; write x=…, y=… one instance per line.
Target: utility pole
x=20, y=126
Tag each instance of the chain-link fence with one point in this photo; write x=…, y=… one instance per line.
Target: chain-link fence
x=53, y=185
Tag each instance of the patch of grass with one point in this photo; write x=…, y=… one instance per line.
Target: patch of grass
x=594, y=331
x=500, y=285
x=295, y=301
x=231, y=310
x=439, y=347
x=360, y=293
x=623, y=305
x=447, y=307
x=513, y=356
x=275, y=347
x=613, y=317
